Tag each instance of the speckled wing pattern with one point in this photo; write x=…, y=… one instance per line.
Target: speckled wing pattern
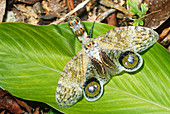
x=69, y=88
x=109, y=54
x=133, y=38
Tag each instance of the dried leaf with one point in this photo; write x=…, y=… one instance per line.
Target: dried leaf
x=111, y=20
x=70, y=4
x=29, y=13
x=166, y=42
x=117, y=5
x=155, y=20
x=163, y=34
x=165, y=37
x=11, y=17
x=2, y=9
x=7, y=101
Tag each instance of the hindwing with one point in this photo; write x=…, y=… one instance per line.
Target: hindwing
x=117, y=60
x=99, y=72
x=96, y=77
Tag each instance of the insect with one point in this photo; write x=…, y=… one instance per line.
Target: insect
x=91, y=68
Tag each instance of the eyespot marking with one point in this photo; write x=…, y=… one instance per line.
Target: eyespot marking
x=129, y=60
x=92, y=89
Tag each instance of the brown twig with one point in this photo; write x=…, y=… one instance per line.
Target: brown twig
x=104, y=15
x=28, y=1
x=81, y=5
x=150, y=14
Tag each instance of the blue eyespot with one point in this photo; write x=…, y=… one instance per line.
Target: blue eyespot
x=91, y=89
x=130, y=59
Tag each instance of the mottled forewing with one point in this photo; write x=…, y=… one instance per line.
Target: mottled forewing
x=134, y=38
x=69, y=88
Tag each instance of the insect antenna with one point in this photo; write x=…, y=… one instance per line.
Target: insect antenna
x=91, y=30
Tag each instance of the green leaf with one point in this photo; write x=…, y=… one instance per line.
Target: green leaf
x=136, y=11
x=141, y=22
x=138, y=22
x=134, y=7
x=33, y=57
x=144, y=8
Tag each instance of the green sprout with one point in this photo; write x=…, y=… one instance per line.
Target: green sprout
x=136, y=11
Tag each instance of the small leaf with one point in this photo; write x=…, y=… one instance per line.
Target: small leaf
x=141, y=22
x=138, y=22
x=144, y=8
x=135, y=10
x=134, y=6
